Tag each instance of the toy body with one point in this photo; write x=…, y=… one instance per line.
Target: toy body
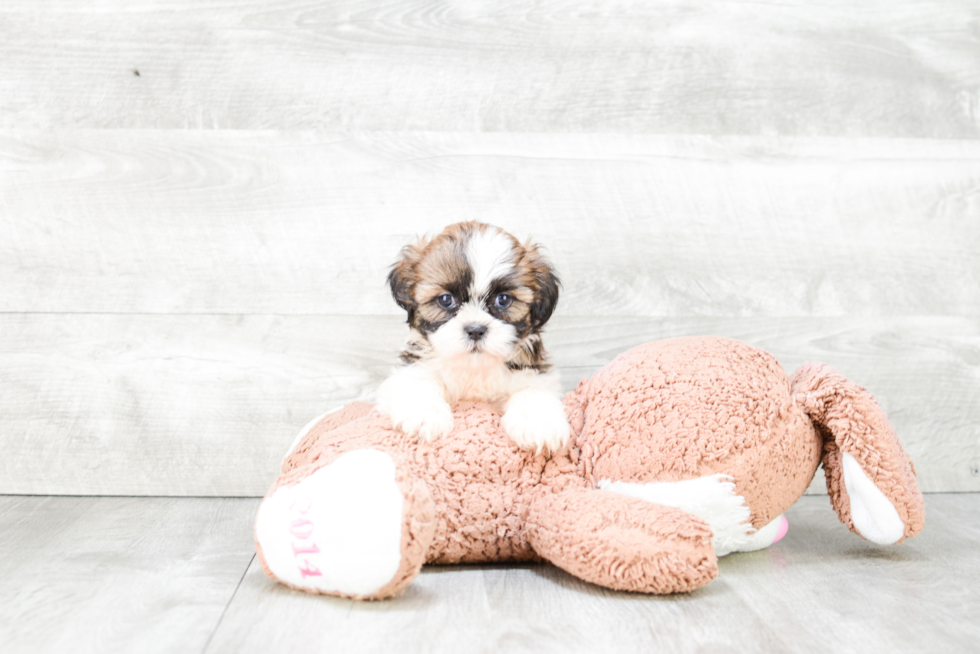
x=681, y=451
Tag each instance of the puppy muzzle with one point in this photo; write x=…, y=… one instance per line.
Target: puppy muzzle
x=475, y=332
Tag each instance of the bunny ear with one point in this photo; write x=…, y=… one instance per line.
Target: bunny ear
x=870, y=478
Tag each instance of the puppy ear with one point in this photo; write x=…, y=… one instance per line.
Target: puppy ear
x=546, y=295
x=402, y=276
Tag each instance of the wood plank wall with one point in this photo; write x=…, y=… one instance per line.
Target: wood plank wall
x=198, y=204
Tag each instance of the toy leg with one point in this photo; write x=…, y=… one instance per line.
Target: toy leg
x=713, y=499
x=358, y=526
x=870, y=478
x=622, y=542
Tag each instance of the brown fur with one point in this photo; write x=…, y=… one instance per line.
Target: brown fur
x=435, y=266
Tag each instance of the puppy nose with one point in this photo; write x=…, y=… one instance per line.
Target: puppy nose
x=475, y=332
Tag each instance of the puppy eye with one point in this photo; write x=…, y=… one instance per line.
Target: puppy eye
x=446, y=301
x=503, y=301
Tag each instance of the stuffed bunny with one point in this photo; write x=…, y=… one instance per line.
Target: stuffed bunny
x=681, y=451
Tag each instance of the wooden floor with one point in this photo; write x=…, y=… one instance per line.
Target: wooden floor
x=128, y=575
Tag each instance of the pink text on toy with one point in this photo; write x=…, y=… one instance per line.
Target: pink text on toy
x=301, y=529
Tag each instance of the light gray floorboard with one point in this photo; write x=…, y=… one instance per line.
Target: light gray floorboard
x=822, y=589
x=208, y=405
x=160, y=221
x=885, y=68
x=124, y=575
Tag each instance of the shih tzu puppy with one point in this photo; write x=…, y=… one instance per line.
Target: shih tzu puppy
x=476, y=300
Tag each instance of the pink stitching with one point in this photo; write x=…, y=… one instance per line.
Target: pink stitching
x=302, y=530
x=309, y=549
x=306, y=503
x=309, y=570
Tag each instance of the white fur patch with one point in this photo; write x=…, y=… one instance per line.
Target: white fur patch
x=762, y=538
x=451, y=339
x=535, y=419
x=711, y=498
x=490, y=255
x=339, y=530
x=874, y=516
x=415, y=400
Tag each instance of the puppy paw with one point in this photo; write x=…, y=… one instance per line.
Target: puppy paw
x=535, y=420
x=437, y=422
x=430, y=419
x=415, y=405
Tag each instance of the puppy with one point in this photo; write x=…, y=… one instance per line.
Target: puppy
x=476, y=300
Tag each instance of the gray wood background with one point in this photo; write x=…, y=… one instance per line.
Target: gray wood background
x=198, y=203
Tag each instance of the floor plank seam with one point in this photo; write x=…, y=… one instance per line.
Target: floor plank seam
x=231, y=599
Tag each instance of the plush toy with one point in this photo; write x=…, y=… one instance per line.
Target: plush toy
x=681, y=451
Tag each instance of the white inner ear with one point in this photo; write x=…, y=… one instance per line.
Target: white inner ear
x=711, y=498
x=874, y=516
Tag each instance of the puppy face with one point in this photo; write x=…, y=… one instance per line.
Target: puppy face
x=475, y=291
